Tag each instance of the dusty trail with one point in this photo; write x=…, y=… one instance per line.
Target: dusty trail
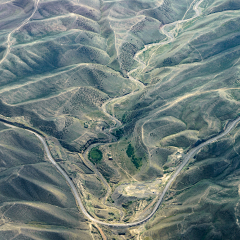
x=139, y=87
x=186, y=159
x=9, y=42
x=188, y=156
x=170, y=35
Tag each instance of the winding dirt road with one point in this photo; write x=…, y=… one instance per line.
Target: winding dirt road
x=186, y=158
x=9, y=42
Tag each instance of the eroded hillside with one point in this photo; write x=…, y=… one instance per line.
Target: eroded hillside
x=121, y=90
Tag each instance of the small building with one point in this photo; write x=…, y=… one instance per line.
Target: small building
x=109, y=156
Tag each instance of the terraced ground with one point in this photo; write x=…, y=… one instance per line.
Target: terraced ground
x=141, y=81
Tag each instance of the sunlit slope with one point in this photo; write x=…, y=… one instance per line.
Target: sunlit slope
x=57, y=102
x=192, y=92
x=129, y=25
x=35, y=200
x=56, y=73
x=74, y=64
x=192, y=84
x=204, y=201
x=14, y=12
x=65, y=51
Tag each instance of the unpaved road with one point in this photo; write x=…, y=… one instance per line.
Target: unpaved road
x=9, y=42
x=186, y=158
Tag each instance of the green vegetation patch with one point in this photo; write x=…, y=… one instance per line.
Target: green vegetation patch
x=118, y=133
x=95, y=155
x=130, y=153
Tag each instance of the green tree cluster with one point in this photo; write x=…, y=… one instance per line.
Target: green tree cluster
x=130, y=153
x=95, y=155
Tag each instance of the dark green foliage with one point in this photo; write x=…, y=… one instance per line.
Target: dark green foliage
x=95, y=155
x=130, y=150
x=165, y=167
x=130, y=153
x=136, y=161
x=119, y=133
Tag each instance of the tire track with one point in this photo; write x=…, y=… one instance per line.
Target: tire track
x=9, y=42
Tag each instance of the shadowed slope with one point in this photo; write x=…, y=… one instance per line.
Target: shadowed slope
x=33, y=195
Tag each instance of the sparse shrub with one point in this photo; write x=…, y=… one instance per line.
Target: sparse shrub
x=127, y=204
x=110, y=200
x=124, y=118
